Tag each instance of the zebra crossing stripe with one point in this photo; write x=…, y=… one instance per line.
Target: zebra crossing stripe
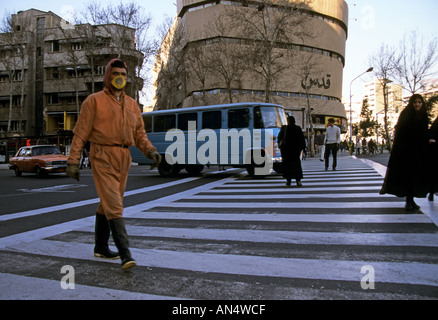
x=288, y=237
x=277, y=205
x=15, y=287
x=393, y=272
x=292, y=191
x=289, y=196
x=326, y=183
x=87, y=202
x=260, y=217
x=75, y=224
x=360, y=178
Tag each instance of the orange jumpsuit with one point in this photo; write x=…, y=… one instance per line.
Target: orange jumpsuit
x=109, y=125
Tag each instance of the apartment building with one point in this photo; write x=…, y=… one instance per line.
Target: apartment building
x=374, y=93
x=429, y=90
x=47, y=69
x=288, y=52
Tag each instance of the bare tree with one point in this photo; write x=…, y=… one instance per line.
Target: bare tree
x=198, y=70
x=386, y=64
x=227, y=60
x=135, y=19
x=308, y=67
x=272, y=26
x=417, y=61
x=170, y=61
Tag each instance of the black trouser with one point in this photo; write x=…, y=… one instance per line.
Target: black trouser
x=333, y=148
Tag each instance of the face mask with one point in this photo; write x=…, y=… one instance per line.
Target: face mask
x=119, y=82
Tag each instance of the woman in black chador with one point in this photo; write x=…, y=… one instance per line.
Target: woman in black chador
x=292, y=143
x=433, y=140
x=407, y=174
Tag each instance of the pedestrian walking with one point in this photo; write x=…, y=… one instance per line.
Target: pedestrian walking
x=292, y=143
x=320, y=142
x=332, y=141
x=111, y=121
x=406, y=174
x=433, y=145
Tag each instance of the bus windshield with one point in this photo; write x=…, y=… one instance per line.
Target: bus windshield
x=268, y=117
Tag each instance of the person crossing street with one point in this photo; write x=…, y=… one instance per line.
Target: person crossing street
x=331, y=142
x=111, y=121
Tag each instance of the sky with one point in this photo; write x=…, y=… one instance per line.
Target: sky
x=371, y=23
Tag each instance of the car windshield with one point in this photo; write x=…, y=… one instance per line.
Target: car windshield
x=40, y=151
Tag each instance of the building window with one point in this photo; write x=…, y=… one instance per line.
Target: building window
x=53, y=73
x=18, y=75
x=76, y=46
x=54, y=46
x=72, y=73
x=52, y=98
x=16, y=101
x=99, y=70
x=15, y=126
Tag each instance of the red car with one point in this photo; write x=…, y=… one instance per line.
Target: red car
x=38, y=159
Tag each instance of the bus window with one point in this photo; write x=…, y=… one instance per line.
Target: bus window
x=258, y=119
x=238, y=118
x=147, y=124
x=184, y=118
x=212, y=120
x=282, y=116
x=164, y=123
x=267, y=117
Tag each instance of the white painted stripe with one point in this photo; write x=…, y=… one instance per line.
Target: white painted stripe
x=321, y=182
x=290, y=196
x=289, y=237
x=381, y=169
x=340, y=270
x=332, y=179
x=286, y=205
x=29, y=213
x=41, y=233
x=15, y=287
x=45, y=232
x=293, y=190
x=329, y=218
x=373, y=176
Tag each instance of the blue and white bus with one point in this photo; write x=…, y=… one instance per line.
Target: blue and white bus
x=238, y=135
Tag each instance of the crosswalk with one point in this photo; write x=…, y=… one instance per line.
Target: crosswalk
x=241, y=238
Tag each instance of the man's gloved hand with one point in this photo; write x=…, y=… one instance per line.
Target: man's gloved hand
x=73, y=171
x=156, y=158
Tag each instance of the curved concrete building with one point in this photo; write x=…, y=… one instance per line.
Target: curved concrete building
x=289, y=52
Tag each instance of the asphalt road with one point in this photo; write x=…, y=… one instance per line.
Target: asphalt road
x=222, y=236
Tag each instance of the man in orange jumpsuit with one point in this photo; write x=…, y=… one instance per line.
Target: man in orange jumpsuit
x=112, y=122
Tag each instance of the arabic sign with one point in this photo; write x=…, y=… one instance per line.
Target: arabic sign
x=320, y=83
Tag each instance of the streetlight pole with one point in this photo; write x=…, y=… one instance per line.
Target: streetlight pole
x=351, y=110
